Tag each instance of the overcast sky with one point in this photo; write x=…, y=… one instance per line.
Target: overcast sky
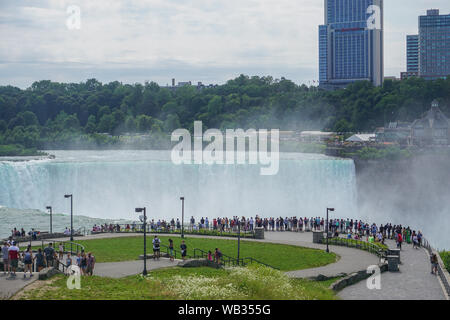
x=199, y=40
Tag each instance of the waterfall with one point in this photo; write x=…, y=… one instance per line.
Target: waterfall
x=110, y=187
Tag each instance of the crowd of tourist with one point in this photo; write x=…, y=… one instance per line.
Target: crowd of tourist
x=43, y=258
x=348, y=228
x=355, y=229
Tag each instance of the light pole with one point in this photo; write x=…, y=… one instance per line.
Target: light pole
x=239, y=240
x=71, y=219
x=328, y=209
x=182, y=217
x=51, y=223
x=144, y=220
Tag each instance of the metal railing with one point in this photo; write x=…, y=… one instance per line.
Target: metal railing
x=176, y=253
x=358, y=244
x=169, y=229
x=66, y=244
x=231, y=261
x=442, y=271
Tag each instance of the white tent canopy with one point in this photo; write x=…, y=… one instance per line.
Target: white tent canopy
x=361, y=138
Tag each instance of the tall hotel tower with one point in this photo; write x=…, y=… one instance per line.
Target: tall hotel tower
x=351, y=43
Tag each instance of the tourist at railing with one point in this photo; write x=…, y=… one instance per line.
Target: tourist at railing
x=357, y=228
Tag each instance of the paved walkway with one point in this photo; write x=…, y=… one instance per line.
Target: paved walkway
x=350, y=260
x=413, y=282
x=9, y=286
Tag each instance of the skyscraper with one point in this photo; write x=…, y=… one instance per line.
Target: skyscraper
x=351, y=43
x=412, y=53
x=434, y=45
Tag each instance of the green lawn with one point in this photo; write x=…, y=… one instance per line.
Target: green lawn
x=252, y=283
x=284, y=257
x=445, y=255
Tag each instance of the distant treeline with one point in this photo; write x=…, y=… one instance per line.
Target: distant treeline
x=90, y=114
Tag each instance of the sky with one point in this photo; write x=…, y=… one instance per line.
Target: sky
x=210, y=41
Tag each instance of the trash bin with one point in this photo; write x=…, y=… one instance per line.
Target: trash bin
x=393, y=263
x=317, y=237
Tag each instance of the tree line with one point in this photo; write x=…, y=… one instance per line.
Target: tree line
x=57, y=115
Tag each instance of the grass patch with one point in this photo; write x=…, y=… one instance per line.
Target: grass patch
x=445, y=255
x=283, y=257
x=252, y=283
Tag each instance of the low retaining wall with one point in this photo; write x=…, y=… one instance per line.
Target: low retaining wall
x=47, y=273
x=43, y=236
x=199, y=263
x=355, y=278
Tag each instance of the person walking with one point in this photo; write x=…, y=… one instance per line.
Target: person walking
x=218, y=255
x=183, y=248
x=40, y=260
x=434, y=264
x=13, y=253
x=61, y=252
x=49, y=255
x=171, y=250
x=28, y=262
x=156, y=248
x=399, y=240
x=83, y=264
x=90, y=264
x=68, y=260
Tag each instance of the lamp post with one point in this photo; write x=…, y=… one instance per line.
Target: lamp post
x=182, y=217
x=327, y=226
x=239, y=240
x=51, y=223
x=71, y=219
x=144, y=221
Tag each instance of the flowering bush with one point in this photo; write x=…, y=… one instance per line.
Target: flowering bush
x=238, y=283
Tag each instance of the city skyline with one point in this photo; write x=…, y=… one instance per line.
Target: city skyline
x=137, y=41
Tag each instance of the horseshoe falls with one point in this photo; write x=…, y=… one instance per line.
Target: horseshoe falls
x=110, y=184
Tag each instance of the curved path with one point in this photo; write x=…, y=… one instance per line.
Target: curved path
x=413, y=282
x=350, y=260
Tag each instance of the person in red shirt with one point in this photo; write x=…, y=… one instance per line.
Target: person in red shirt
x=13, y=253
x=399, y=240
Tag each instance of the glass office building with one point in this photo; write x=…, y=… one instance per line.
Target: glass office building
x=350, y=48
x=434, y=45
x=412, y=53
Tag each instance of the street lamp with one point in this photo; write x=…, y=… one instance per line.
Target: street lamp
x=51, y=224
x=239, y=240
x=182, y=217
x=71, y=214
x=144, y=221
x=327, y=226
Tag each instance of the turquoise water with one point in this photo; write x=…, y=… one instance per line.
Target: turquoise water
x=35, y=219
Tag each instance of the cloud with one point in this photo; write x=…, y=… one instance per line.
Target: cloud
x=203, y=36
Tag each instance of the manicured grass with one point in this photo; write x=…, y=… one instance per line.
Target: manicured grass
x=254, y=283
x=445, y=255
x=283, y=257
